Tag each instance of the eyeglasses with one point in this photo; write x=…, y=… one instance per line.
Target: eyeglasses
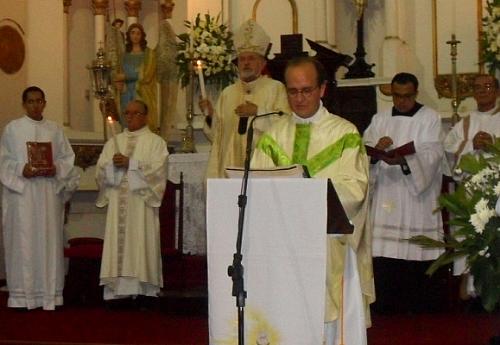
x=35, y=101
x=403, y=96
x=133, y=113
x=306, y=92
x=481, y=87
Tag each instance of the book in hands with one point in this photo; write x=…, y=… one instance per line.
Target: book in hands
x=40, y=156
x=401, y=151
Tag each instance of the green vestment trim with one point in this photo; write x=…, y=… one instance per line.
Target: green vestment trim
x=316, y=163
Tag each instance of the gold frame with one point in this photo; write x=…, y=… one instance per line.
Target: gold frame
x=442, y=82
x=295, y=17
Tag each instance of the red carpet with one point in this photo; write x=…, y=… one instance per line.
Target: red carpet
x=184, y=322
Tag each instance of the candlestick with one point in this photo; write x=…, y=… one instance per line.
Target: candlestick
x=199, y=67
x=113, y=133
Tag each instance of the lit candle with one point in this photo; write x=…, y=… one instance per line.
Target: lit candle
x=113, y=133
x=199, y=67
x=453, y=18
x=191, y=40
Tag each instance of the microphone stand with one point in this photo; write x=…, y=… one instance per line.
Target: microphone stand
x=235, y=271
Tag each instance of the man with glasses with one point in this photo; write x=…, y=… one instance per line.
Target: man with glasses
x=475, y=131
x=131, y=175
x=38, y=177
x=405, y=185
x=330, y=147
x=252, y=94
x=471, y=135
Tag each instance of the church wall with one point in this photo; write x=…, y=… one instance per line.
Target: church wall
x=45, y=50
x=12, y=85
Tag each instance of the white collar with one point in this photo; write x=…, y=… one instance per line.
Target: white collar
x=312, y=119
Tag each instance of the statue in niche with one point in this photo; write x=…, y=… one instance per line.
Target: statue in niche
x=136, y=77
x=115, y=48
x=166, y=52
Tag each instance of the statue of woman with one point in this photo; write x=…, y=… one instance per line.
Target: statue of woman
x=138, y=77
x=166, y=52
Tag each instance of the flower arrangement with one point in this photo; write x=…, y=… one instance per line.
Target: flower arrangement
x=490, y=39
x=475, y=207
x=210, y=42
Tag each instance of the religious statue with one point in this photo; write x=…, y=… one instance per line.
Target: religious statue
x=166, y=52
x=137, y=79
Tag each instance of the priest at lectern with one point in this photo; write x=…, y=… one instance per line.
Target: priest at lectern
x=330, y=147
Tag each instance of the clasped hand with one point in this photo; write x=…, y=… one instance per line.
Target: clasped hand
x=120, y=161
x=246, y=109
x=30, y=171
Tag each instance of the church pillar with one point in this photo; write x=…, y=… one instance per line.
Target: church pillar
x=330, y=23
x=132, y=7
x=320, y=27
x=100, y=8
x=393, y=48
x=66, y=117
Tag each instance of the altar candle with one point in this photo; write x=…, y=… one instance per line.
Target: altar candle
x=113, y=133
x=453, y=18
x=191, y=40
x=199, y=67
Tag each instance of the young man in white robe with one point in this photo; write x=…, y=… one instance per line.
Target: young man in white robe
x=33, y=206
x=471, y=135
x=478, y=129
x=252, y=94
x=131, y=175
x=330, y=147
x=405, y=191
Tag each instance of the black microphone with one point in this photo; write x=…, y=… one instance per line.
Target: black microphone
x=242, y=125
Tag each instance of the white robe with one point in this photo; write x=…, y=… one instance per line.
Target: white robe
x=455, y=144
x=131, y=258
x=228, y=146
x=403, y=205
x=33, y=214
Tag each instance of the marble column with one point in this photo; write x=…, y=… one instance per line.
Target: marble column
x=330, y=24
x=320, y=27
x=133, y=7
x=393, y=50
x=66, y=116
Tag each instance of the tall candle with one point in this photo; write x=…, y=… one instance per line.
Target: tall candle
x=191, y=40
x=113, y=133
x=199, y=67
x=453, y=18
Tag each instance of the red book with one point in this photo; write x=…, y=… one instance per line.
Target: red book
x=40, y=155
x=403, y=150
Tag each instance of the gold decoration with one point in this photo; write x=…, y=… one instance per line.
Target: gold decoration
x=12, y=50
x=465, y=82
x=86, y=155
x=100, y=7
x=133, y=7
x=66, y=4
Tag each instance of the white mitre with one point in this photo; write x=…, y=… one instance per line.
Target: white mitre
x=251, y=37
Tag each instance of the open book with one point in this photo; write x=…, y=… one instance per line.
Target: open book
x=403, y=150
x=290, y=171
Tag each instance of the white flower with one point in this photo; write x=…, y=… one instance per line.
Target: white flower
x=477, y=222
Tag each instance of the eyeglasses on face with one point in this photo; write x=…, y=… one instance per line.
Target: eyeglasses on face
x=133, y=113
x=35, y=101
x=306, y=92
x=403, y=96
